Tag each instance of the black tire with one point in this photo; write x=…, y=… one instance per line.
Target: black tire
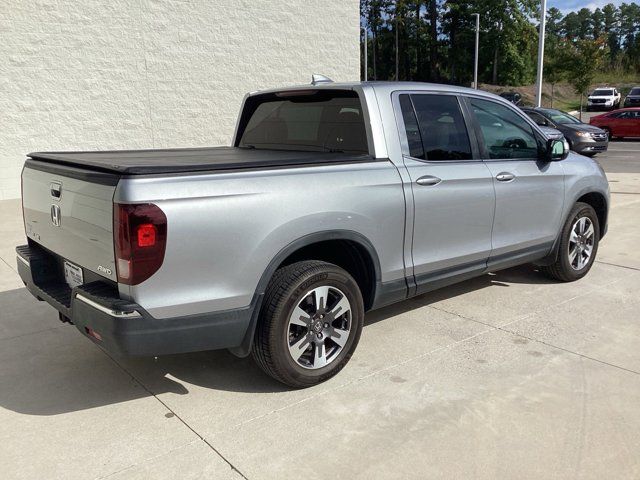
x=608, y=130
x=562, y=269
x=289, y=286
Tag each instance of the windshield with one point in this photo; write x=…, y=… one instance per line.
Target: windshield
x=635, y=91
x=601, y=92
x=311, y=121
x=556, y=116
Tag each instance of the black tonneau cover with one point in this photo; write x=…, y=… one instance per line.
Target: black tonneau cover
x=184, y=160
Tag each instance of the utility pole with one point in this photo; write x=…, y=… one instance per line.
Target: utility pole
x=475, y=64
x=543, y=21
x=366, y=57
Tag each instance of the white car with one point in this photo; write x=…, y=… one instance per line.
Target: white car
x=607, y=98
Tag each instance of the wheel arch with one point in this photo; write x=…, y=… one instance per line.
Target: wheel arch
x=600, y=204
x=348, y=249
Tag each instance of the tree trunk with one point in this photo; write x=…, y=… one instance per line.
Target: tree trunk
x=453, y=57
x=580, y=118
x=374, y=44
x=417, y=58
x=406, y=60
x=433, y=40
x=494, y=76
x=552, y=86
x=397, y=53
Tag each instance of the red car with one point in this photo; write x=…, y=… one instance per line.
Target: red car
x=619, y=123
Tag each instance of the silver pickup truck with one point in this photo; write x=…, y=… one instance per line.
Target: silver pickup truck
x=334, y=199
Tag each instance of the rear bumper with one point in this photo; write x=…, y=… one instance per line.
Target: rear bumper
x=124, y=327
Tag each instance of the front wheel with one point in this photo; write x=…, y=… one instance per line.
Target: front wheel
x=578, y=245
x=310, y=323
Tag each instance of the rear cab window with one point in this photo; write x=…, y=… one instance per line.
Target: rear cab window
x=304, y=120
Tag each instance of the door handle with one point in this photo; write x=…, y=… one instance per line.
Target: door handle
x=428, y=180
x=505, y=177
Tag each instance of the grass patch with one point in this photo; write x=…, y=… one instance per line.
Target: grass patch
x=566, y=105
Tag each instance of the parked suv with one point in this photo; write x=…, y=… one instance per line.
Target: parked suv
x=604, y=98
x=633, y=98
x=583, y=138
x=334, y=199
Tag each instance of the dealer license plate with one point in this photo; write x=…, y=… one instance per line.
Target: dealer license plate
x=73, y=274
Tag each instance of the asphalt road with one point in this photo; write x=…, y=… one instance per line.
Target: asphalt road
x=623, y=156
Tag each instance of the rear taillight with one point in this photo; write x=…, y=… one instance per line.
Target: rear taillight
x=140, y=234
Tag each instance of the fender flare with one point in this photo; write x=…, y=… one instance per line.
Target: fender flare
x=551, y=258
x=244, y=349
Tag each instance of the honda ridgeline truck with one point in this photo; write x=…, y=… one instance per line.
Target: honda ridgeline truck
x=335, y=199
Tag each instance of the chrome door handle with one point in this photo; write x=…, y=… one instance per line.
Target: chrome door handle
x=505, y=177
x=428, y=180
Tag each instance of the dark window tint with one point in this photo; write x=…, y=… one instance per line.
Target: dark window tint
x=505, y=133
x=438, y=125
x=324, y=120
x=411, y=127
x=622, y=115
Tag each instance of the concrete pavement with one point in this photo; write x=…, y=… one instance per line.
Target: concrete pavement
x=508, y=375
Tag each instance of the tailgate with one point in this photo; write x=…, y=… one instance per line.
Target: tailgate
x=71, y=214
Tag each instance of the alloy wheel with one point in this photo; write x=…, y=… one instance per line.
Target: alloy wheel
x=319, y=327
x=581, y=240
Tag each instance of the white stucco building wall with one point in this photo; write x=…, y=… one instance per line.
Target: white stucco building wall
x=97, y=74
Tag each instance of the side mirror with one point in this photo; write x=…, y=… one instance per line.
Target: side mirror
x=557, y=150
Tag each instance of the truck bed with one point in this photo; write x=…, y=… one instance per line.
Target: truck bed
x=185, y=160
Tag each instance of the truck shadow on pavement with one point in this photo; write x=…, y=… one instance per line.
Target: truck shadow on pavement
x=48, y=368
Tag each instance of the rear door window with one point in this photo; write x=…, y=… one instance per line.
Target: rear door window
x=435, y=127
x=320, y=120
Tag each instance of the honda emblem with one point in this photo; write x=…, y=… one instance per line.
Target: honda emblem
x=56, y=215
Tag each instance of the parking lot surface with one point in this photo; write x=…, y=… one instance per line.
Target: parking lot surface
x=509, y=375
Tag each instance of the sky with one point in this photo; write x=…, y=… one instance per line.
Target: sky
x=566, y=6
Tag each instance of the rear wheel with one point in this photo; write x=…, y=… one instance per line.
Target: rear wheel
x=310, y=323
x=578, y=245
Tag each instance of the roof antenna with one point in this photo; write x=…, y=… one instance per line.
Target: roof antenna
x=316, y=78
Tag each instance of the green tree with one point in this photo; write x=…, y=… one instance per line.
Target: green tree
x=584, y=58
x=433, y=40
x=629, y=32
x=610, y=26
x=554, y=54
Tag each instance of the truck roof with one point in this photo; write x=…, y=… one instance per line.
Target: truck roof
x=385, y=86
